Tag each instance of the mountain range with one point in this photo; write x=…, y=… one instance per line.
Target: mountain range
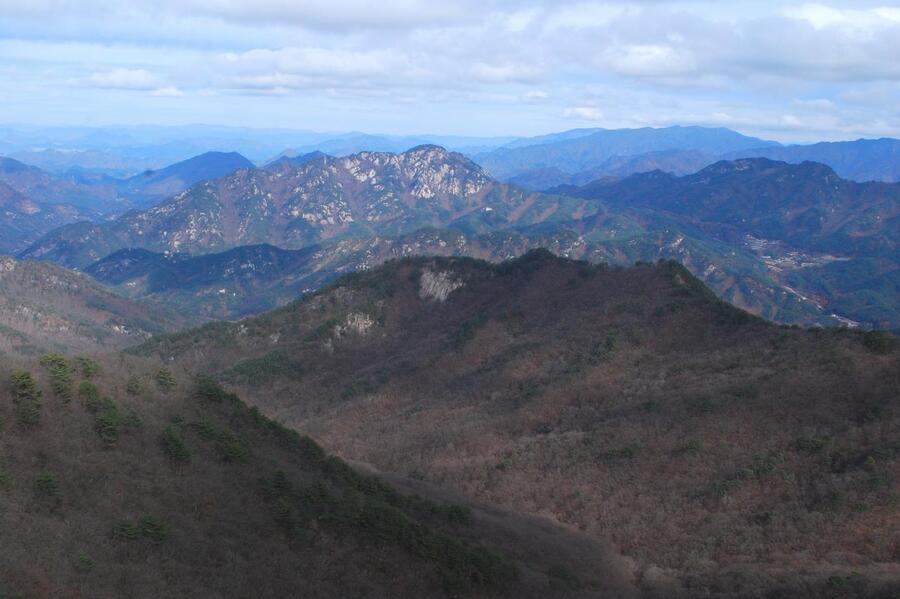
x=123, y=151
x=677, y=162
x=630, y=404
x=293, y=205
x=811, y=228
x=781, y=240
x=97, y=194
x=588, y=154
x=582, y=152
x=525, y=426
x=860, y=160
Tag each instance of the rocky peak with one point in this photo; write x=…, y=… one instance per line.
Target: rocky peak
x=438, y=285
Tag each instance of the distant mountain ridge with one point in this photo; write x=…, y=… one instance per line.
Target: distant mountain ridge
x=584, y=152
x=807, y=205
x=327, y=198
x=241, y=281
x=153, y=186
x=860, y=160
x=34, y=202
x=45, y=188
x=754, y=230
x=812, y=229
x=676, y=162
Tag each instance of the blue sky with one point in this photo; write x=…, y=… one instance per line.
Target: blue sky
x=782, y=70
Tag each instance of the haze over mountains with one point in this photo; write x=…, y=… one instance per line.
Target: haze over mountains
x=795, y=243
x=107, y=195
x=578, y=151
x=581, y=156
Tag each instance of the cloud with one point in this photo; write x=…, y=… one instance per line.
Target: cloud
x=828, y=17
x=526, y=63
x=650, y=60
x=583, y=113
x=137, y=79
x=535, y=95
x=333, y=14
x=167, y=92
x=499, y=73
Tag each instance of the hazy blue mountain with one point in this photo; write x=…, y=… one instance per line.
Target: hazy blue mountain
x=552, y=137
x=860, y=160
x=100, y=195
x=124, y=151
x=831, y=241
x=352, y=143
x=590, y=151
x=677, y=162
x=117, y=164
x=105, y=195
x=152, y=186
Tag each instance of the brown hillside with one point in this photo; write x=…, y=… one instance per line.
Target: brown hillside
x=722, y=454
x=127, y=482
x=45, y=307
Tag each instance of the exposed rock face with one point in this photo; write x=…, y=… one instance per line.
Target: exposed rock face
x=438, y=285
x=7, y=264
x=356, y=322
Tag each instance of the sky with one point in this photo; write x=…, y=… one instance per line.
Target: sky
x=780, y=70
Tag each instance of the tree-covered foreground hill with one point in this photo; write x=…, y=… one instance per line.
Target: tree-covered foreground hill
x=721, y=454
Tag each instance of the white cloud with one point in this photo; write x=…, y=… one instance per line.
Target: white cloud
x=817, y=104
x=498, y=73
x=583, y=113
x=643, y=60
x=138, y=79
x=527, y=63
x=821, y=16
x=535, y=95
x=167, y=92
x=332, y=13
